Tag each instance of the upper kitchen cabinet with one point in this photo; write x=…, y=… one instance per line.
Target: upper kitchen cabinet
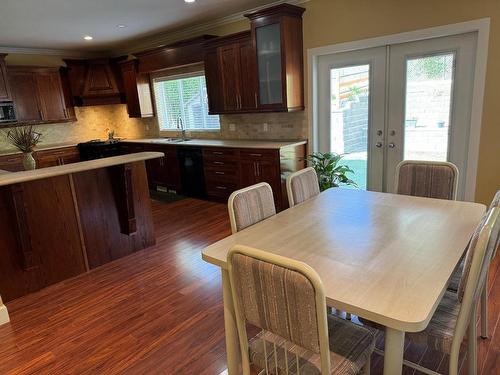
x=230, y=73
x=38, y=95
x=4, y=82
x=260, y=70
x=277, y=38
x=95, y=82
x=137, y=90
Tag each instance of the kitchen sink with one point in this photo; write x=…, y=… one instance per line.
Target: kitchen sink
x=171, y=140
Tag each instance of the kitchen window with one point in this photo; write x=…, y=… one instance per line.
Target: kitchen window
x=182, y=100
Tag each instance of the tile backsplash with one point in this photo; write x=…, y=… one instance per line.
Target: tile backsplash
x=92, y=123
x=275, y=126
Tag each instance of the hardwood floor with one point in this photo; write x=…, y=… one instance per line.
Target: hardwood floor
x=158, y=311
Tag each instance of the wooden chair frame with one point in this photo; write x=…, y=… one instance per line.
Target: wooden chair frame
x=426, y=162
x=293, y=265
x=230, y=202
x=289, y=179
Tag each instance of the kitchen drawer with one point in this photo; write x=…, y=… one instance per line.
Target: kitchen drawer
x=220, y=189
x=221, y=153
x=220, y=164
x=222, y=174
x=51, y=158
x=131, y=148
x=11, y=163
x=258, y=154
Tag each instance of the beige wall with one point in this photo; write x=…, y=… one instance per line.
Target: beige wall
x=335, y=21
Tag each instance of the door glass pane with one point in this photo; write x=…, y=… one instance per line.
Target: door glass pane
x=429, y=83
x=269, y=62
x=349, y=118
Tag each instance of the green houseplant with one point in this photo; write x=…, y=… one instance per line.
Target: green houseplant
x=25, y=140
x=331, y=173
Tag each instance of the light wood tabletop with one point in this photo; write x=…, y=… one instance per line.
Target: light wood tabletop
x=384, y=257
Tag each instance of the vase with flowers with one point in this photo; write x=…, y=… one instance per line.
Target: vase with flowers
x=25, y=140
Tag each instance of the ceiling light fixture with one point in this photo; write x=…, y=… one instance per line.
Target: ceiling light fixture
x=88, y=37
x=121, y=26
x=189, y=1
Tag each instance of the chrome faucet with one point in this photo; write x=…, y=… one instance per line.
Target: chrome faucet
x=180, y=126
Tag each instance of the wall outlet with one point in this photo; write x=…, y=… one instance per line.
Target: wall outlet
x=232, y=127
x=265, y=127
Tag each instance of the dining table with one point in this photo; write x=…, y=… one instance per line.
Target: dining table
x=384, y=257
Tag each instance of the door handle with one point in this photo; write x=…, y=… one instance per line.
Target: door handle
x=378, y=144
x=392, y=145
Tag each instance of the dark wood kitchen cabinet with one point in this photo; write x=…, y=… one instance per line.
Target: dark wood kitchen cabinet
x=11, y=163
x=4, y=82
x=137, y=90
x=38, y=95
x=58, y=156
x=164, y=173
x=260, y=70
x=230, y=74
x=278, y=42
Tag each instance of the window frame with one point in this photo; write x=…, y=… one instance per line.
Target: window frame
x=163, y=77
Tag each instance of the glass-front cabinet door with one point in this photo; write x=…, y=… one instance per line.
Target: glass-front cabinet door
x=268, y=43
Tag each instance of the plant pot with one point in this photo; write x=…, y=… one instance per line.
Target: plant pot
x=29, y=162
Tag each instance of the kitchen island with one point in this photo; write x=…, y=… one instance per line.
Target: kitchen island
x=58, y=222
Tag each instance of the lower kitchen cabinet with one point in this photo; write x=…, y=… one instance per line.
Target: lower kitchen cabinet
x=55, y=157
x=163, y=173
x=11, y=163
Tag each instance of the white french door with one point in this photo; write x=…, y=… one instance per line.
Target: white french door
x=382, y=105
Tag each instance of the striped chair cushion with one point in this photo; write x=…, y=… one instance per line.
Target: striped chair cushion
x=439, y=333
x=427, y=180
x=304, y=185
x=277, y=299
x=350, y=348
x=252, y=206
x=456, y=276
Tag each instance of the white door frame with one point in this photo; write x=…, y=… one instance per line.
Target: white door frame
x=481, y=26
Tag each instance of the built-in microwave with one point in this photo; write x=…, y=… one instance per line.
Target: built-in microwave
x=7, y=112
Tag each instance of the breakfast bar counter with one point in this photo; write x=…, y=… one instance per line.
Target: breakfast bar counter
x=58, y=222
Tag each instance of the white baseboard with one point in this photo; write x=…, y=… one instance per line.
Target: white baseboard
x=4, y=315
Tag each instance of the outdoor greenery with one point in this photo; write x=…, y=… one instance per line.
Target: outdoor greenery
x=331, y=173
x=431, y=67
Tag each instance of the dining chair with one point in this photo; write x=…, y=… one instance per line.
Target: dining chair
x=431, y=179
x=250, y=205
x=285, y=300
x=457, y=274
x=456, y=313
x=302, y=185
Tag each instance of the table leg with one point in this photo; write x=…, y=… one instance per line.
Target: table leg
x=394, y=349
x=232, y=342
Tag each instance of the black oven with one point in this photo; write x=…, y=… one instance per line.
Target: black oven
x=7, y=112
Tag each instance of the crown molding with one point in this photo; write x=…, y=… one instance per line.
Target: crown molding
x=50, y=52
x=185, y=32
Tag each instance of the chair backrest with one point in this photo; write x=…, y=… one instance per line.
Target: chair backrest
x=479, y=256
x=302, y=185
x=279, y=295
x=496, y=203
x=431, y=179
x=250, y=205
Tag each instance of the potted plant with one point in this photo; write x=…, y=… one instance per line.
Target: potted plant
x=25, y=140
x=331, y=173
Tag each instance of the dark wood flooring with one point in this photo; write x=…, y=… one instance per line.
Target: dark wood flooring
x=158, y=311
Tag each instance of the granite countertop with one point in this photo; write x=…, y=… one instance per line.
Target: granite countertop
x=220, y=143
x=38, y=174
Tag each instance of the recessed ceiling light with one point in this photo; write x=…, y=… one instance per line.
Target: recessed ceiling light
x=88, y=37
x=189, y=1
x=121, y=26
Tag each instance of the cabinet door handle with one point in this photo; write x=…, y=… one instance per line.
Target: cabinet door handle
x=258, y=169
x=255, y=169
x=221, y=173
x=256, y=101
x=218, y=162
x=221, y=187
x=256, y=155
x=217, y=153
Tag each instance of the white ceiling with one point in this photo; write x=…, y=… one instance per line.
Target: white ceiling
x=62, y=24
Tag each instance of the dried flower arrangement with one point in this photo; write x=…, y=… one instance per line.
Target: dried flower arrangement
x=24, y=138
